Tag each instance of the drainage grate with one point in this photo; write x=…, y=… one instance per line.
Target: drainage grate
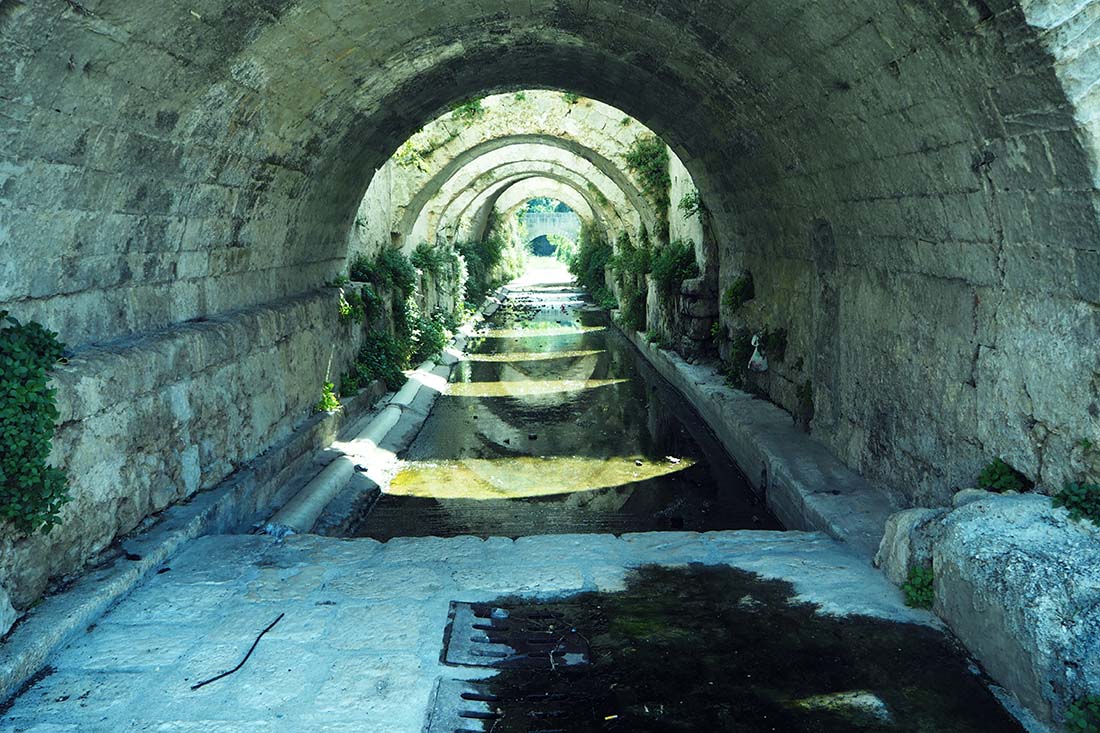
x=483, y=635
x=463, y=706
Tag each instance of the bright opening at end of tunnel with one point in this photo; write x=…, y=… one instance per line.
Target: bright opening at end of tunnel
x=526, y=476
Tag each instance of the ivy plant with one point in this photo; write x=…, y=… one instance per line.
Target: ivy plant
x=672, y=265
x=998, y=476
x=328, y=401
x=739, y=292
x=31, y=491
x=1083, y=716
x=918, y=589
x=1082, y=500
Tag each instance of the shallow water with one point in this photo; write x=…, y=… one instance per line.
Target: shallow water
x=555, y=424
x=720, y=649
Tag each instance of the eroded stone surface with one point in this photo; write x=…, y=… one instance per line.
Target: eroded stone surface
x=359, y=645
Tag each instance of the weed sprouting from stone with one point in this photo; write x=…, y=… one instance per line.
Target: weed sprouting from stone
x=918, y=589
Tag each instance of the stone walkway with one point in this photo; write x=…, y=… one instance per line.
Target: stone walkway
x=358, y=648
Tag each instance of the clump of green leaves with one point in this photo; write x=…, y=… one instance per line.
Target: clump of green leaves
x=647, y=157
x=31, y=491
x=521, y=97
x=690, y=204
x=739, y=292
x=435, y=261
x=998, y=476
x=428, y=334
x=468, y=111
x=593, y=256
x=1082, y=500
x=570, y=98
x=382, y=357
x=349, y=384
x=672, y=265
x=1083, y=716
x=741, y=349
x=918, y=589
x=390, y=268
x=328, y=401
x=352, y=307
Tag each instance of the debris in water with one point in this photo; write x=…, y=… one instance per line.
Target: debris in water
x=672, y=459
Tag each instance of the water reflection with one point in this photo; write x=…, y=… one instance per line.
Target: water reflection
x=555, y=424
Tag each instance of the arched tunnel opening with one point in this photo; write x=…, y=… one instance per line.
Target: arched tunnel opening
x=293, y=295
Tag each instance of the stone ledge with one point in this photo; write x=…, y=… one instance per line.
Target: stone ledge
x=234, y=505
x=803, y=483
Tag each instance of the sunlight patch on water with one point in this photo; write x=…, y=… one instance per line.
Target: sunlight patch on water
x=516, y=478
x=527, y=387
x=553, y=330
x=532, y=355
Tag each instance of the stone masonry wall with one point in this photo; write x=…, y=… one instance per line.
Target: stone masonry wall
x=149, y=422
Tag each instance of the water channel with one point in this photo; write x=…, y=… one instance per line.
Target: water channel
x=553, y=423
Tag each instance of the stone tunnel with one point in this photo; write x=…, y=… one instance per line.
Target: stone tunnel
x=891, y=207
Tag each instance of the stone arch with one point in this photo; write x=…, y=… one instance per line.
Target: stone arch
x=459, y=192
x=165, y=165
x=599, y=168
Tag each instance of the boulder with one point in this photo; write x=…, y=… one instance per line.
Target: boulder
x=908, y=541
x=1019, y=584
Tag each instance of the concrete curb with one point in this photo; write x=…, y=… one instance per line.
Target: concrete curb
x=804, y=484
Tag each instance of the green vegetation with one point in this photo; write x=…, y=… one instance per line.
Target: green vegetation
x=648, y=158
x=349, y=384
x=328, y=401
x=918, y=589
x=521, y=96
x=381, y=357
x=998, y=476
x=739, y=292
x=427, y=334
x=672, y=265
x=741, y=349
x=605, y=299
x=468, y=111
x=570, y=98
x=595, y=191
x=490, y=263
x=390, y=269
x=690, y=204
x=438, y=262
x=352, y=307
x=1083, y=716
x=31, y=491
x=339, y=281
x=593, y=256
x=1082, y=500
x=625, y=122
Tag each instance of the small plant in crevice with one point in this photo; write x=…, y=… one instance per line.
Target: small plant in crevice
x=1083, y=715
x=998, y=476
x=739, y=292
x=690, y=204
x=352, y=307
x=1082, y=501
x=672, y=265
x=520, y=97
x=570, y=98
x=918, y=589
x=328, y=401
x=349, y=384
x=32, y=492
x=625, y=122
x=647, y=157
x=339, y=281
x=468, y=111
x=741, y=348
